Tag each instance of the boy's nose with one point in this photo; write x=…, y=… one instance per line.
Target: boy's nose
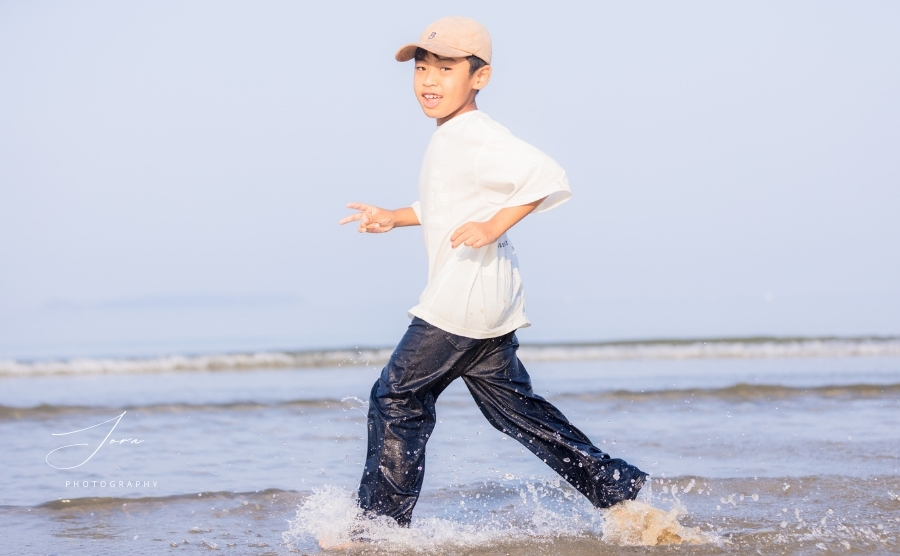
x=429, y=78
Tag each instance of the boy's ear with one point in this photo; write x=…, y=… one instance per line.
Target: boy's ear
x=482, y=76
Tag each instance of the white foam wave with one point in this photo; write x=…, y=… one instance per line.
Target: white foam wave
x=699, y=349
x=176, y=363
x=718, y=349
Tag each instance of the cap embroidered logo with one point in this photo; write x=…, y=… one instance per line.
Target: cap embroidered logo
x=432, y=35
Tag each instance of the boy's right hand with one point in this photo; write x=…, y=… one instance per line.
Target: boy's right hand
x=371, y=219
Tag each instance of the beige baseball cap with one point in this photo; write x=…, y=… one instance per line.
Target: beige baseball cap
x=453, y=37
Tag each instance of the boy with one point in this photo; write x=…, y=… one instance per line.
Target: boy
x=477, y=181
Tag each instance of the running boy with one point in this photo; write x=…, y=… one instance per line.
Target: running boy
x=476, y=182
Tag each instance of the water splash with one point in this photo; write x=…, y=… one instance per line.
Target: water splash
x=546, y=514
x=636, y=523
x=357, y=404
x=330, y=515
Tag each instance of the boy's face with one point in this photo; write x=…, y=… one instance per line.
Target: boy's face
x=444, y=87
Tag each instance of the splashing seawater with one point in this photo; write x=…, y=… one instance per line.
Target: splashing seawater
x=635, y=523
x=330, y=516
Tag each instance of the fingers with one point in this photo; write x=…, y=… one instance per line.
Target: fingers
x=371, y=218
x=366, y=225
x=459, y=231
x=362, y=207
x=458, y=237
x=351, y=218
x=370, y=228
x=466, y=234
x=472, y=234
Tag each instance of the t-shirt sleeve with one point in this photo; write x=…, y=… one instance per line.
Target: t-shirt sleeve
x=417, y=208
x=512, y=173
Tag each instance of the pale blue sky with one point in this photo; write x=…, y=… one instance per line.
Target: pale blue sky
x=171, y=173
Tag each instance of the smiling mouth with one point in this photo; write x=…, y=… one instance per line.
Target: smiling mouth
x=431, y=100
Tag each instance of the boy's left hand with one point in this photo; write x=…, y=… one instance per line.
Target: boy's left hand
x=475, y=234
x=479, y=234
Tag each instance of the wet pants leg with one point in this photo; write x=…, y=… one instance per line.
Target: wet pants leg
x=402, y=416
x=502, y=389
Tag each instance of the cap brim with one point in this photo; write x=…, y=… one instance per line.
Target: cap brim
x=408, y=52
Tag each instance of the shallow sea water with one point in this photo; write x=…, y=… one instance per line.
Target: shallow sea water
x=747, y=455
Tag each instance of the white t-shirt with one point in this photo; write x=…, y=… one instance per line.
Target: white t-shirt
x=473, y=168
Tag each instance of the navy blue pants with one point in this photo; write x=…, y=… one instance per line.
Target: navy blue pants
x=402, y=417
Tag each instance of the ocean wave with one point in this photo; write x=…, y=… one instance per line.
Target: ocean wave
x=741, y=348
x=742, y=392
x=110, y=502
x=215, y=362
x=47, y=410
x=735, y=393
x=604, y=351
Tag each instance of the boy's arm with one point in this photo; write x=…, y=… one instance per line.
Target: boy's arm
x=378, y=220
x=479, y=234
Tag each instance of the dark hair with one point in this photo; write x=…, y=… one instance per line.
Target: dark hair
x=475, y=63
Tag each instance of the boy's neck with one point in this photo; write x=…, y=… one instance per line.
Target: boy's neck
x=467, y=107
